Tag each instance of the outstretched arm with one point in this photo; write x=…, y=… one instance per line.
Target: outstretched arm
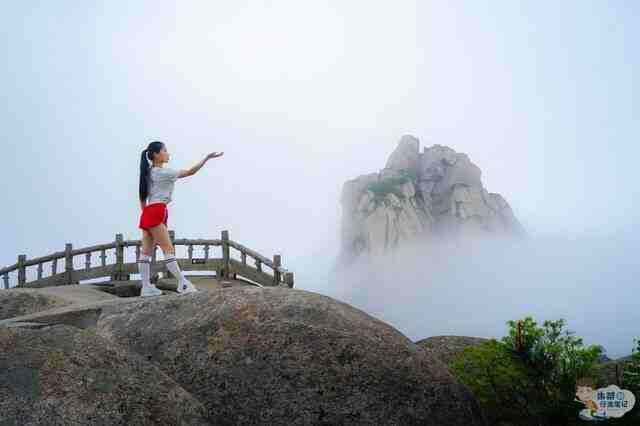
x=199, y=164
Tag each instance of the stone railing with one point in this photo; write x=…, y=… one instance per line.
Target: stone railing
x=225, y=266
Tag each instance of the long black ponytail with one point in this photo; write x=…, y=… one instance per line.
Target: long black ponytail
x=146, y=156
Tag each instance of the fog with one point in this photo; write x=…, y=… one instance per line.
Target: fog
x=472, y=287
x=301, y=97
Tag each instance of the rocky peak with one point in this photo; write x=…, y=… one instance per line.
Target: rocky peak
x=420, y=196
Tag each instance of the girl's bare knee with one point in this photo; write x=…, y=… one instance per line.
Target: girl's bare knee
x=168, y=251
x=147, y=243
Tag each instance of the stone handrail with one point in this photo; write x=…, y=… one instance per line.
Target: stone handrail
x=225, y=266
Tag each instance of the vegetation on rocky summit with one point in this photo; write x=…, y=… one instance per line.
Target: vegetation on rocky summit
x=530, y=375
x=383, y=187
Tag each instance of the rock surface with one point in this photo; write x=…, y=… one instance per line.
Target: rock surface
x=16, y=302
x=282, y=356
x=420, y=196
x=249, y=355
x=63, y=375
x=446, y=348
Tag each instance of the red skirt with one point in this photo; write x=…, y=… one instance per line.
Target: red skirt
x=153, y=214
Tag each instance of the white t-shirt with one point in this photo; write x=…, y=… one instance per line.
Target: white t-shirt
x=161, y=181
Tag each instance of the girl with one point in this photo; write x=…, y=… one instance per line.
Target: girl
x=156, y=187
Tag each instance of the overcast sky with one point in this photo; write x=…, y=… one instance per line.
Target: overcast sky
x=302, y=96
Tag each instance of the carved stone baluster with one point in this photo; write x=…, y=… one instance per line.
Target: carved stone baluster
x=206, y=252
x=190, y=250
x=243, y=257
x=39, y=271
x=87, y=261
x=5, y=278
x=103, y=258
x=138, y=251
x=54, y=266
x=259, y=265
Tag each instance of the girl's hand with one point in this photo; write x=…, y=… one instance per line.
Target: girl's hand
x=214, y=155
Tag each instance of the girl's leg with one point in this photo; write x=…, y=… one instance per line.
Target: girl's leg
x=161, y=236
x=144, y=262
x=147, y=243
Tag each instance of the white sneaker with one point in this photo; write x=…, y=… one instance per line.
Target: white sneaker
x=150, y=290
x=186, y=287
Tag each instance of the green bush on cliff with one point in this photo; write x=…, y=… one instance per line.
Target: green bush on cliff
x=411, y=174
x=529, y=377
x=382, y=188
x=392, y=185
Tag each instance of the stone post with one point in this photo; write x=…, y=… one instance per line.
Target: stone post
x=68, y=263
x=117, y=268
x=225, y=254
x=22, y=270
x=288, y=279
x=277, y=261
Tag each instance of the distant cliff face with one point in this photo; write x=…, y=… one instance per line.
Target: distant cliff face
x=418, y=196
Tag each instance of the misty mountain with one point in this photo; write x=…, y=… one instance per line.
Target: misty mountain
x=420, y=196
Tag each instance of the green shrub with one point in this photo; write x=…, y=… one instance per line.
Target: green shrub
x=631, y=381
x=383, y=187
x=529, y=377
x=631, y=373
x=497, y=379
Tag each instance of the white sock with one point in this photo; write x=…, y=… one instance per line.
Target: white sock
x=144, y=267
x=172, y=265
